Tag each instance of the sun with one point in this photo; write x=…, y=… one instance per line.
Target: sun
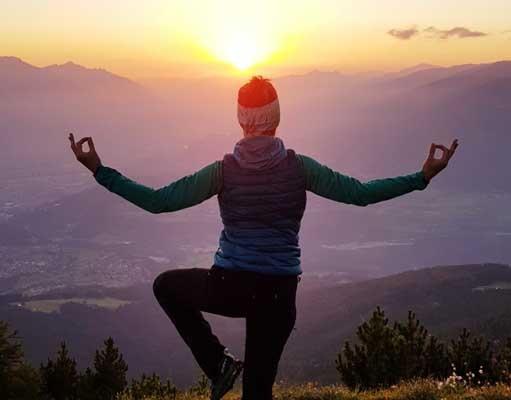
x=234, y=37
x=242, y=54
x=243, y=50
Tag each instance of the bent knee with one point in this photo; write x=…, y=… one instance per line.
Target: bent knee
x=162, y=284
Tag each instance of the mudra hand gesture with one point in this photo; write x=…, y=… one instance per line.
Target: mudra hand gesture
x=432, y=166
x=88, y=158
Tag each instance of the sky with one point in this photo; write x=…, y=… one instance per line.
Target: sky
x=164, y=39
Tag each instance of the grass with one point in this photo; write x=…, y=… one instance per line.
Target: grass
x=419, y=390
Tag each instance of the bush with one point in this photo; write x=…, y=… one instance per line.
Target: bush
x=150, y=387
x=386, y=355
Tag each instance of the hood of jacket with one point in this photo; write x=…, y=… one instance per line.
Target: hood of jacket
x=259, y=152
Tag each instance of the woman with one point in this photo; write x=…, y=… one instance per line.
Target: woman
x=261, y=190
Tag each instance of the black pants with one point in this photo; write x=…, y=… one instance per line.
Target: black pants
x=267, y=302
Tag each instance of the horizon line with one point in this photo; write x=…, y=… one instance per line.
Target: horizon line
x=244, y=74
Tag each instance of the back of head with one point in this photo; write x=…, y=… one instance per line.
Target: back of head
x=258, y=107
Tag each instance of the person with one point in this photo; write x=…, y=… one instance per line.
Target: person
x=261, y=189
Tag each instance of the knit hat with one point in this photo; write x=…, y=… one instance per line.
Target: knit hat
x=258, y=106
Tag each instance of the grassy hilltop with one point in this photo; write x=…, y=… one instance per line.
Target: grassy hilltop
x=419, y=390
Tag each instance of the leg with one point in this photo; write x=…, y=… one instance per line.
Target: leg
x=183, y=294
x=267, y=333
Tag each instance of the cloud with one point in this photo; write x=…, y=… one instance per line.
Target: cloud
x=403, y=34
x=459, y=32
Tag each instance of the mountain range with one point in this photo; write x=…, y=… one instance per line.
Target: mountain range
x=340, y=118
x=158, y=133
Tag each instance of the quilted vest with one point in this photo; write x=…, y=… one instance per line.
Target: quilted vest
x=261, y=212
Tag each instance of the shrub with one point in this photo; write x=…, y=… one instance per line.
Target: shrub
x=386, y=355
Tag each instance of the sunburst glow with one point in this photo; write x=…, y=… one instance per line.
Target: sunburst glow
x=230, y=33
x=242, y=51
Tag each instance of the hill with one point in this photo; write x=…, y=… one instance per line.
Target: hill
x=445, y=299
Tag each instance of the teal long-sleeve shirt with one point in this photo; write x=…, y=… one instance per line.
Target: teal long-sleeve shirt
x=207, y=182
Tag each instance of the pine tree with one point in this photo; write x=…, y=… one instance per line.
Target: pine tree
x=86, y=387
x=504, y=362
x=472, y=356
x=11, y=353
x=60, y=377
x=110, y=371
x=436, y=362
x=25, y=383
x=411, y=345
x=373, y=362
x=11, y=358
x=384, y=355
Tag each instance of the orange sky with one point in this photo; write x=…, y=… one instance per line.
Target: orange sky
x=157, y=38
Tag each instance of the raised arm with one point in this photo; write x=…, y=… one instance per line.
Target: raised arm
x=183, y=193
x=338, y=187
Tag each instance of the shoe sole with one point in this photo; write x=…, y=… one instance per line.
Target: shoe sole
x=231, y=376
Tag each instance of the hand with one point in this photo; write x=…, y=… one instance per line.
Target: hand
x=90, y=158
x=432, y=166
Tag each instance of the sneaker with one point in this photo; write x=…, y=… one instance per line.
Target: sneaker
x=230, y=368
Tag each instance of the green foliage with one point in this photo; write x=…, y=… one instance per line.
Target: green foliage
x=436, y=361
x=150, y=387
x=202, y=386
x=59, y=377
x=18, y=380
x=470, y=355
x=373, y=362
x=24, y=384
x=11, y=353
x=504, y=362
x=109, y=377
x=419, y=354
x=385, y=356
x=86, y=389
x=397, y=360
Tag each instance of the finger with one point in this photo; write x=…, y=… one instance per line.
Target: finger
x=73, y=144
x=453, y=148
x=432, y=150
x=91, y=144
x=81, y=142
x=79, y=145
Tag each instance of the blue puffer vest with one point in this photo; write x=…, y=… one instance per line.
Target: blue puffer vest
x=261, y=204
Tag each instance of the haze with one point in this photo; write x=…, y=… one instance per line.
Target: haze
x=179, y=38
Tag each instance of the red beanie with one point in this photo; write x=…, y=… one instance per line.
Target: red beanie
x=258, y=106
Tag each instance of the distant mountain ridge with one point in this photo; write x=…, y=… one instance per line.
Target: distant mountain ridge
x=18, y=75
x=13, y=66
